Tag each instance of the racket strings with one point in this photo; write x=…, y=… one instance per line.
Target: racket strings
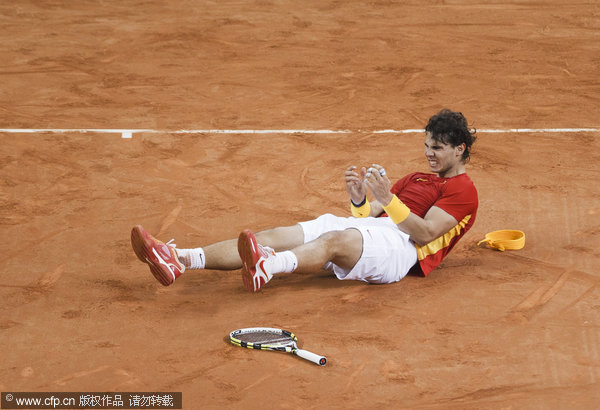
x=263, y=338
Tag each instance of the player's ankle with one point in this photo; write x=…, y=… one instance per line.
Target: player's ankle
x=283, y=262
x=192, y=258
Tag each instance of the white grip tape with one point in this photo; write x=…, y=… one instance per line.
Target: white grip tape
x=311, y=357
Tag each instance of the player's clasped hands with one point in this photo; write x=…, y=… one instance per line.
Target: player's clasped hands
x=373, y=178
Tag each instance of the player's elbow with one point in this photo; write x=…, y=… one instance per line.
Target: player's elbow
x=420, y=241
x=424, y=237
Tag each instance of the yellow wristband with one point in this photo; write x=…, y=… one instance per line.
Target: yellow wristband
x=396, y=210
x=361, y=211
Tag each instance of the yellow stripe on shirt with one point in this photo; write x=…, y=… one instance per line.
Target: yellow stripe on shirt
x=443, y=241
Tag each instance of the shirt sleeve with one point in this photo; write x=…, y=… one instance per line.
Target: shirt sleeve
x=459, y=199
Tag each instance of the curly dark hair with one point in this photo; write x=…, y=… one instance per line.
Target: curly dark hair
x=451, y=127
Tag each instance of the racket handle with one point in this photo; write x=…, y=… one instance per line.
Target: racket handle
x=311, y=357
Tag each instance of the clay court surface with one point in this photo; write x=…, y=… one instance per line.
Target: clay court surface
x=487, y=330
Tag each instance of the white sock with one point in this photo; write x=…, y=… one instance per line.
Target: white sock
x=192, y=258
x=284, y=262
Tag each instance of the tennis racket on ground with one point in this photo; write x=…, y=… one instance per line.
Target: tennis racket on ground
x=266, y=338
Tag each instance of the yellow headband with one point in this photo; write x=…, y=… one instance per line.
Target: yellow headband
x=504, y=239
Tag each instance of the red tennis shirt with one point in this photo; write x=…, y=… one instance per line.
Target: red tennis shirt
x=456, y=195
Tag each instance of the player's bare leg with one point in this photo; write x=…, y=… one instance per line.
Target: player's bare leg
x=343, y=248
x=282, y=238
x=167, y=263
x=224, y=255
x=255, y=254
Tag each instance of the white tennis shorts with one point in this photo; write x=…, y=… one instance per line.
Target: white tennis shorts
x=387, y=255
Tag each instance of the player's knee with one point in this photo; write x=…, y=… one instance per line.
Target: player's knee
x=339, y=243
x=343, y=247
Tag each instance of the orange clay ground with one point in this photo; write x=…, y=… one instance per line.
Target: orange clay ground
x=487, y=330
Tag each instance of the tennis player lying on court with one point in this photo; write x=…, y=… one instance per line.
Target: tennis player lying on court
x=413, y=223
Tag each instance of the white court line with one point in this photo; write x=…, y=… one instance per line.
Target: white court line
x=128, y=133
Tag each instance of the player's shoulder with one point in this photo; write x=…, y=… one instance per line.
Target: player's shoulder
x=461, y=183
x=461, y=179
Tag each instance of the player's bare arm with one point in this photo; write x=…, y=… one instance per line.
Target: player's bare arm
x=354, y=183
x=380, y=186
x=357, y=189
x=424, y=230
x=376, y=209
x=421, y=230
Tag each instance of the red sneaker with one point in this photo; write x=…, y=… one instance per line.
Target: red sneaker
x=254, y=272
x=160, y=256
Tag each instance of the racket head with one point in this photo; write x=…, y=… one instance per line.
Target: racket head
x=264, y=338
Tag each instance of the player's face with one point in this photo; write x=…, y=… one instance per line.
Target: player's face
x=444, y=159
